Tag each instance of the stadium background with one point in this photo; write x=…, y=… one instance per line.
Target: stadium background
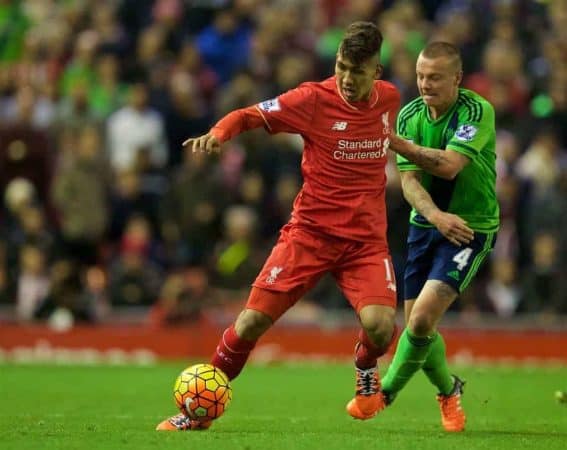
x=112, y=238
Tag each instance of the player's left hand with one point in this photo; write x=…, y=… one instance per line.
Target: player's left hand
x=453, y=227
x=396, y=142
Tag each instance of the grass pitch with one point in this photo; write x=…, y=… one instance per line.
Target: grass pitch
x=278, y=407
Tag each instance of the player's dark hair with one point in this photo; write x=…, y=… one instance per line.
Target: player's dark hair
x=362, y=41
x=439, y=49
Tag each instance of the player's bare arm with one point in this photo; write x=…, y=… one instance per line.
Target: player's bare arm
x=441, y=163
x=449, y=225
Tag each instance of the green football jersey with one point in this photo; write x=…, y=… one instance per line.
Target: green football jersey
x=467, y=127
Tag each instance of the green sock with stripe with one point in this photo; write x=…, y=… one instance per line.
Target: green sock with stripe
x=411, y=354
x=436, y=368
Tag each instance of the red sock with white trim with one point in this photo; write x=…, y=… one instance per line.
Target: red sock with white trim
x=366, y=354
x=231, y=353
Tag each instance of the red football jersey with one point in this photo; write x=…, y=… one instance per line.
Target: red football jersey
x=344, y=157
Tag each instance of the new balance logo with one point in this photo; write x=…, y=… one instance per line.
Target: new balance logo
x=339, y=126
x=271, y=279
x=455, y=275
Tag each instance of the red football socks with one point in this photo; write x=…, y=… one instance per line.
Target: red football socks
x=231, y=353
x=366, y=353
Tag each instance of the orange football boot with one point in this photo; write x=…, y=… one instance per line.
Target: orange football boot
x=452, y=415
x=181, y=422
x=369, y=400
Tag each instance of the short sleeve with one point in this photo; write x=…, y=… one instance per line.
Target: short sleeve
x=473, y=131
x=406, y=128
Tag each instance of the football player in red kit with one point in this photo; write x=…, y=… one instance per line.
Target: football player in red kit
x=338, y=223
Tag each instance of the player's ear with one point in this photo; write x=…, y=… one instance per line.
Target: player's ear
x=379, y=71
x=459, y=77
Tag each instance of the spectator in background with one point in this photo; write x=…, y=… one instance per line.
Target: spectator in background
x=19, y=194
x=190, y=62
x=134, y=277
x=33, y=282
x=191, y=210
x=74, y=110
x=25, y=150
x=150, y=53
x=30, y=229
x=501, y=81
x=237, y=257
x=183, y=296
x=128, y=200
x=545, y=282
x=108, y=93
x=225, y=44
x=112, y=37
x=81, y=196
x=185, y=114
x=503, y=294
x=95, y=294
x=13, y=26
x=80, y=70
x=24, y=223
x=134, y=127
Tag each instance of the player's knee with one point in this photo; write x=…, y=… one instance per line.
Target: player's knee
x=379, y=327
x=251, y=324
x=421, y=324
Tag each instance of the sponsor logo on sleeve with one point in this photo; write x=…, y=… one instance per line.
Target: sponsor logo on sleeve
x=270, y=105
x=466, y=133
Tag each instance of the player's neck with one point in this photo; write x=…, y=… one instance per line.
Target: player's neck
x=437, y=111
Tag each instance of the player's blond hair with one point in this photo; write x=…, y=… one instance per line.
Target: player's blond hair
x=440, y=49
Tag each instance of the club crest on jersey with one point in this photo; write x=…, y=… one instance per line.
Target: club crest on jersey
x=466, y=133
x=270, y=105
x=271, y=279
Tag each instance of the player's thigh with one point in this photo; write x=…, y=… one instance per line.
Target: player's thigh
x=272, y=304
x=420, y=254
x=457, y=266
x=408, y=306
x=430, y=305
x=366, y=277
x=295, y=264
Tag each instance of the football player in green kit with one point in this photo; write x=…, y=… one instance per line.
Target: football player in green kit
x=446, y=157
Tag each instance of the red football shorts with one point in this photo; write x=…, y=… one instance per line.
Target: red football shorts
x=363, y=271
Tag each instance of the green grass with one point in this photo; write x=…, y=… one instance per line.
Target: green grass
x=277, y=407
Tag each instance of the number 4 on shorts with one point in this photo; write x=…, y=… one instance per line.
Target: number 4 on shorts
x=462, y=258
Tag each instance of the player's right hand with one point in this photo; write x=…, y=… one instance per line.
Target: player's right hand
x=206, y=143
x=454, y=228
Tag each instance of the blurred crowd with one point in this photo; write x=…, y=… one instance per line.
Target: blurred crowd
x=103, y=210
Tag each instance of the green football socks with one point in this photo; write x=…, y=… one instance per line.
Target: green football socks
x=435, y=366
x=411, y=354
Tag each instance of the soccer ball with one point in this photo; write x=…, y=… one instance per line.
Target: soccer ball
x=202, y=392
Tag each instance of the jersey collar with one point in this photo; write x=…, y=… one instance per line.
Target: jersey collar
x=362, y=104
